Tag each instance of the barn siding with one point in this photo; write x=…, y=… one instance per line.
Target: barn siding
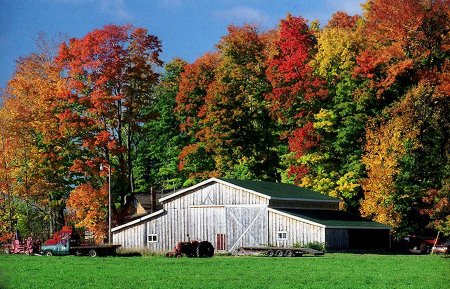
x=202, y=214
x=296, y=230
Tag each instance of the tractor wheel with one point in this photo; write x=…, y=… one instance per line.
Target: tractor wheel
x=270, y=253
x=48, y=253
x=279, y=253
x=179, y=255
x=92, y=253
x=205, y=249
x=289, y=253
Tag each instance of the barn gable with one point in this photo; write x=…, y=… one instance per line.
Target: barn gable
x=234, y=213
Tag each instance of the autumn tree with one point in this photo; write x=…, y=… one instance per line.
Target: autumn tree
x=111, y=74
x=407, y=160
x=194, y=159
x=87, y=208
x=405, y=63
x=408, y=41
x=39, y=161
x=332, y=164
x=296, y=92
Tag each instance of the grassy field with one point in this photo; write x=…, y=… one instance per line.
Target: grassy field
x=329, y=271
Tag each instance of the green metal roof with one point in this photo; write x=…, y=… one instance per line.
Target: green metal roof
x=279, y=190
x=334, y=218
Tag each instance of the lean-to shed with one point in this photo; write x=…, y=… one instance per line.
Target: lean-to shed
x=235, y=213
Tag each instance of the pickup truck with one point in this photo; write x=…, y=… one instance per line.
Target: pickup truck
x=67, y=242
x=63, y=247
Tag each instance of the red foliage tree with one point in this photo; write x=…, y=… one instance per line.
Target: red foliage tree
x=110, y=75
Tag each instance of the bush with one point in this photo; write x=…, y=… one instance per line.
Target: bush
x=312, y=245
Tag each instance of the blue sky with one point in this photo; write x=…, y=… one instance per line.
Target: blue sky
x=187, y=28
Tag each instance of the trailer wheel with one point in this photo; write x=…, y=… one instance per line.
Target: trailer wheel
x=205, y=249
x=92, y=253
x=270, y=253
x=279, y=253
x=289, y=253
x=48, y=253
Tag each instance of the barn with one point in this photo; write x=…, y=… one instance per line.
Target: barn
x=234, y=213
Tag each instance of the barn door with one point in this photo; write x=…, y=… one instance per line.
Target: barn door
x=246, y=226
x=205, y=223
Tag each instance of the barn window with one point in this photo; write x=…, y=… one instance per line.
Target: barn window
x=152, y=238
x=281, y=235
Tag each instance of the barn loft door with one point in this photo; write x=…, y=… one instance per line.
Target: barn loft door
x=246, y=226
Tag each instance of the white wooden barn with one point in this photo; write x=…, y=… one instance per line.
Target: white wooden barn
x=235, y=213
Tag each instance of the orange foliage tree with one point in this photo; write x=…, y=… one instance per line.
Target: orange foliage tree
x=87, y=208
x=37, y=160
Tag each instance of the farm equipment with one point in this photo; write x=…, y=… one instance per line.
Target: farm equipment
x=67, y=242
x=25, y=247
x=279, y=251
x=192, y=249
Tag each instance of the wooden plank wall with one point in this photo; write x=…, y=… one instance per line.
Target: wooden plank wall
x=297, y=231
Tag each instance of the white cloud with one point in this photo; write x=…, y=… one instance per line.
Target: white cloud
x=242, y=14
x=116, y=8
x=113, y=8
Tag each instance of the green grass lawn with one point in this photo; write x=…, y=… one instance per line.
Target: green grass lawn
x=329, y=271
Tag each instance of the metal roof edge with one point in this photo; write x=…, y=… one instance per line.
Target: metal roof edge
x=296, y=217
x=309, y=200
x=137, y=220
x=187, y=189
x=210, y=181
x=357, y=227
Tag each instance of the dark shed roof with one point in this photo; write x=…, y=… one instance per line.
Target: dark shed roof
x=144, y=200
x=280, y=190
x=334, y=218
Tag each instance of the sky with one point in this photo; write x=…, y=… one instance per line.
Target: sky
x=186, y=28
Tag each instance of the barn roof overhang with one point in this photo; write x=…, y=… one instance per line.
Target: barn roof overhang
x=330, y=219
x=146, y=217
x=249, y=186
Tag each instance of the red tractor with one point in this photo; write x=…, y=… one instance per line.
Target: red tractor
x=200, y=249
x=27, y=246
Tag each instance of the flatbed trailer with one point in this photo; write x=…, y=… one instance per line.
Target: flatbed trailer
x=279, y=251
x=94, y=250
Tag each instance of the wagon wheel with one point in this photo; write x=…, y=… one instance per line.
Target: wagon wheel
x=48, y=253
x=205, y=249
x=279, y=253
x=270, y=253
x=289, y=253
x=92, y=253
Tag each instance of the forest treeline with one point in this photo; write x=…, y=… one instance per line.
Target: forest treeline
x=357, y=109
